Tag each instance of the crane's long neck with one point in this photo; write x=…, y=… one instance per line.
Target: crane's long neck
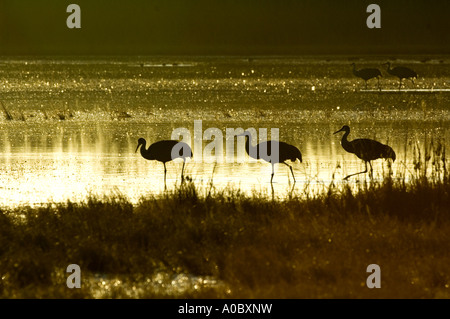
x=249, y=148
x=345, y=143
x=143, y=150
x=389, y=68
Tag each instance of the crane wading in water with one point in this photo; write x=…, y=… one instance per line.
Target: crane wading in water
x=165, y=151
x=402, y=73
x=365, y=149
x=367, y=74
x=268, y=151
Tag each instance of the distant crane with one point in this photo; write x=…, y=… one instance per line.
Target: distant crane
x=365, y=149
x=165, y=151
x=402, y=73
x=367, y=74
x=264, y=150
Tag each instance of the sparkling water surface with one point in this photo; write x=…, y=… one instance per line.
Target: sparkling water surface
x=69, y=126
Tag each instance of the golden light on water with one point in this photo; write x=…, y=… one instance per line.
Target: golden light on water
x=77, y=135
x=73, y=165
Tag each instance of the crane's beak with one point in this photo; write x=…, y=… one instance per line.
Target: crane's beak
x=137, y=148
x=338, y=131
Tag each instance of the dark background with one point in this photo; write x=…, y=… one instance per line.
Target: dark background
x=225, y=27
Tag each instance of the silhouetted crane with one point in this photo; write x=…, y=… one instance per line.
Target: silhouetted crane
x=402, y=73
x=367, y=74
x=264, y=150
x=366, y=149
x=165, y=151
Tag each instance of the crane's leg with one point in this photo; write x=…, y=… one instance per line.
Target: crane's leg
x=291, y=170
x=400, y=85
x=379, y=86
x=366, y=84
x=182, y=172
x=273, y=192
x=165, y=173
x=346, y=177
x=371, y=169
x=273, y=172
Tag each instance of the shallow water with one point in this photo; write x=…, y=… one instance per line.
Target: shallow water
x=69, y=127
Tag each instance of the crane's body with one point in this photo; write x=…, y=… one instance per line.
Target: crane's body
x=402, y=73
x=367, y=74
x=365, y=149
x=165, y=151
x=268, y=150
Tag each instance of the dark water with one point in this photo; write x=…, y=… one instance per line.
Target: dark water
x=69, y=127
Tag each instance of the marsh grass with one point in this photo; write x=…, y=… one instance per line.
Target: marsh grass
x=248, y=246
